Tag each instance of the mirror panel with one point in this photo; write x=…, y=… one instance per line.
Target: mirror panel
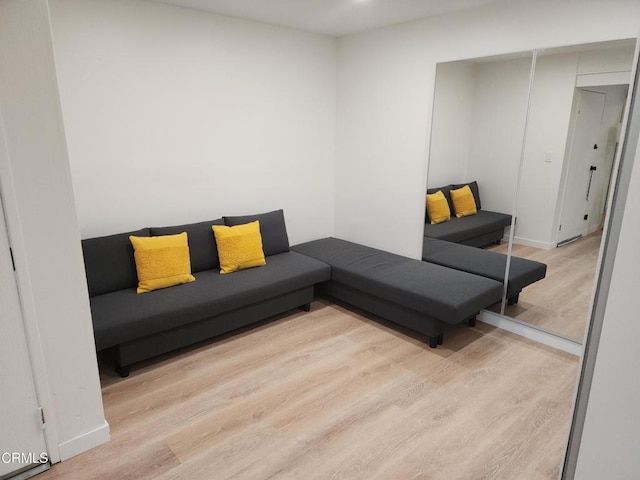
x=556, y=188
x=477, y=134
x=577, y=101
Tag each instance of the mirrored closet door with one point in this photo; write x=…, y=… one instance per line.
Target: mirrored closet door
x=538, y=132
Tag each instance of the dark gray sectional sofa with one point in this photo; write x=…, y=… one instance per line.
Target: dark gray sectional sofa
x=477, y=230
x=522, y=272
x=452, y=244
x=141, y=326
x=424, y=297
x=428, y=297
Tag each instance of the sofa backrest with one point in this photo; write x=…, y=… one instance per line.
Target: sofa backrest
x=474, y=190
x=447, y=194
x=202, y=244
x=272, y=229
x=109, y=262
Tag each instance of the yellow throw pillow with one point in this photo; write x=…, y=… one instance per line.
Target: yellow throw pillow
x=437, y=207
x=239, y=247
x=162, y=261
x=463, y=202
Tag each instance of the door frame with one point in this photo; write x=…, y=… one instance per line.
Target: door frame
x=618, y=190
x=31, y=404
x=609, y=157
x=569, y=151
x=568, y=163
x=25, y=296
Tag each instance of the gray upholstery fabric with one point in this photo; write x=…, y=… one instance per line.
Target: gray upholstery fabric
x=202, y=243
x=124, y=315
x=446, y=294
x=522, y=272
x=272, y=229
x=109, y=262
x=459, y=229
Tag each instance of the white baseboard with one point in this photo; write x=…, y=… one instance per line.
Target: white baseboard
x=540, y=336
x=534, y=243
x=84, y=442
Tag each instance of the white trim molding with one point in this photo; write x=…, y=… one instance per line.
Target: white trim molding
x=535, y=334
x=534, y=243
x=84, y=442
x=601, y=79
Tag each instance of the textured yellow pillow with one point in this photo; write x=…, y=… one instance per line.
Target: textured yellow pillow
x=162, y=261
x=239, y=247
x=463, y=202
x=437, y=207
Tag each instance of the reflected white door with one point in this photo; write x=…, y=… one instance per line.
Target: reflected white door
x=585, y=154
x=21, y=437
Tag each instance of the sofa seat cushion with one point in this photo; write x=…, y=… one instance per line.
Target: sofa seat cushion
x=460, y=229
x=443, y=293
x=522, y=272
x=123, y=315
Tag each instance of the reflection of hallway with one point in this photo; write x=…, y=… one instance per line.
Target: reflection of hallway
x=560, y=302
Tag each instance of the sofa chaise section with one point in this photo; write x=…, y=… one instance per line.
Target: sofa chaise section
x=522, y=272
x=427, y=298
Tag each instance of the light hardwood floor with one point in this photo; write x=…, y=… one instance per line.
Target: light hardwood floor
x=559, y=303
x=333, y=394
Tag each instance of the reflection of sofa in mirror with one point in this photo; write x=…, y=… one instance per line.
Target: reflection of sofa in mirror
x=522, y=272
x=548, y=169
x=476, y=230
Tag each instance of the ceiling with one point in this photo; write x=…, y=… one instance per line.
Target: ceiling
x=331, y=17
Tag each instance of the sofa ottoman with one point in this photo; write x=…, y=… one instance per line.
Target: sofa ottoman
x=426, y=298
x=522, y=272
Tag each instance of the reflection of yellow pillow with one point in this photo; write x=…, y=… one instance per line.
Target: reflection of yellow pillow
x=437, y=207
x=463, y=202
x=162, y=261
x=239, y=247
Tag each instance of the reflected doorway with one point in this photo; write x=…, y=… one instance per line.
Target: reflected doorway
x=595, y=136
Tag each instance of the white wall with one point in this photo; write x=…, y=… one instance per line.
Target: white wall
x=609, y=446
x=452, y=121
x=385, y=93
x=606, y=60
x=174, y=115
x=542, y=184
x=499, y=115
x=549, y=116
x=38, y=197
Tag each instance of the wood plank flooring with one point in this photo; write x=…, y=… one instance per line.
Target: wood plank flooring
x=559, y=303
x=334, y=394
